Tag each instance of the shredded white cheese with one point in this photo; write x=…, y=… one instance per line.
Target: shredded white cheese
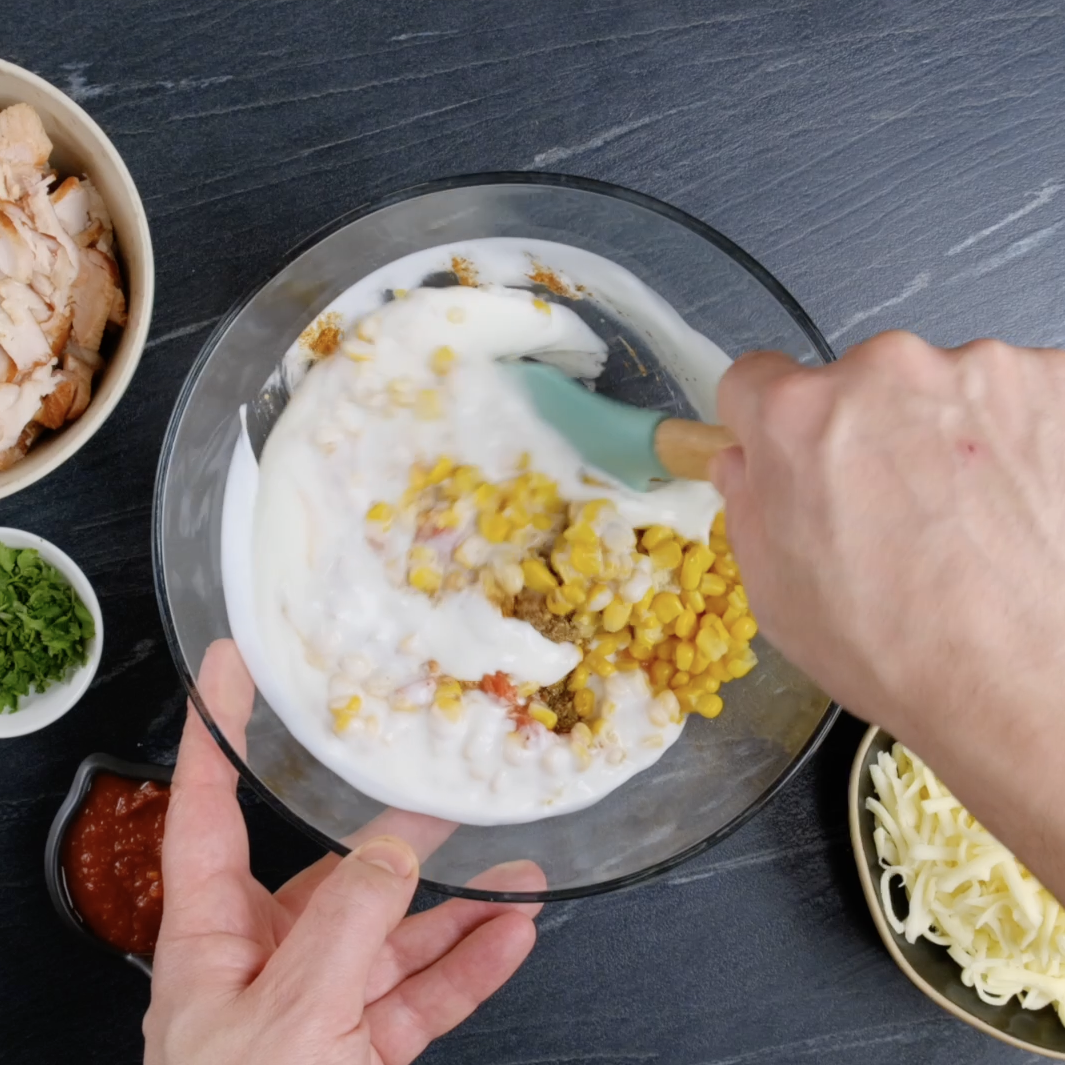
x=966, y=891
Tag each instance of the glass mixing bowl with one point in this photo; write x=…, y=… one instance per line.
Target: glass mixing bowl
x=720, y=772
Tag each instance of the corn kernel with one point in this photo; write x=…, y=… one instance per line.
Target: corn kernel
x=455, y=315
x=493, y=527
x=441, y=360
x=586, y=623
x=697, y=560
x=685, y=698
x=705, y=683
x=537, y=576
x=557, y=603
x=542, y=522
x=661, y=673
x=624, y=638
x=740, y=667
x=472, y=552
x=425, y=579
x=542, y=306
x=684, y=655
x=606, y=644
x=707, y=704
x=655, y=535
x=626, y=663
x=490, y=588
x=580, y=733
x=358, y=352
x=600, y=727
x=600, y=666
x=578, y=679
x=441, y=469
x=731, y=616
x=427, y=405
x=511, y=578
x=711, y=645
x=712, y=584
x=421, y=554
x=587, y=559
x=486, y=497
x=693, y=600
x=727, y=568
x=344, y=715
x=667, y=606
x=599, y=597
x=746, y=628
x=517, y=515
x=418, y=478
x=450, y=706
x=715, y=605
x=645, y=603
x=667, y=700
x=685, y=624
x=574, y=593
x=665, y=650
x=581, y=533
x=381, y=512
x=593, y=508
x=466, y=480
x=719, y=671
x=641, y=650
x=616, y=615
x=718, y=526
x=401, y=391
x=584, y=702
x=699, y=663
x=545, y=715
x=738, y=598
x=667, y=555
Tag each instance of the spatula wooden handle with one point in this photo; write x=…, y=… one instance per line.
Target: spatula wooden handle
x=686, y=448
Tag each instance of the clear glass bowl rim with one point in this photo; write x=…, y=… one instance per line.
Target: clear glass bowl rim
x=551, y=180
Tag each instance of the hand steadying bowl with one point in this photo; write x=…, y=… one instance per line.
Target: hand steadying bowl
x=721, y=771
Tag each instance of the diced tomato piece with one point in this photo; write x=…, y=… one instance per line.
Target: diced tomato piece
x=499, y=685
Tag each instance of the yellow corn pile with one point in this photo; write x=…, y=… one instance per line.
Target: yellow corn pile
x=638, y=599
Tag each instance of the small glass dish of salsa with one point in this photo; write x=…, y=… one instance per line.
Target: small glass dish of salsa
x=101, y=861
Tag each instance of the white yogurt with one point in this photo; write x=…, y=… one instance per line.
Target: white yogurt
x=318, y=603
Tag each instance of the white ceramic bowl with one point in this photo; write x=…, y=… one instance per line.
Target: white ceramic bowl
x=81, y=147
x=41, y=709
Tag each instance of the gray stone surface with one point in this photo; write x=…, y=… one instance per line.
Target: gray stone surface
x=894, y=164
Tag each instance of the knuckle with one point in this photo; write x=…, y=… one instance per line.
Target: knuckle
x=987, y=350
x=787, y=397
x=893, y=347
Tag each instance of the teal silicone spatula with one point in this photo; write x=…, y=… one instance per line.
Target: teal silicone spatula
x=634, y=445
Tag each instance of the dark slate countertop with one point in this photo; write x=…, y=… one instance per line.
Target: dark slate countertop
x=895, y=165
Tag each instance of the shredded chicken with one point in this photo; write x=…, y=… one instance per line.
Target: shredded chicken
x=60, y=287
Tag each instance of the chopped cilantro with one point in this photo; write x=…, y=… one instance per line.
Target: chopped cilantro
x=45, y=628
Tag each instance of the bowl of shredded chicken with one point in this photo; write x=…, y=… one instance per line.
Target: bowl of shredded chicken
x=966, y=921
x=76, y=278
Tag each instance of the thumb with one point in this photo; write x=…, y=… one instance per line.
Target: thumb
x=323, y=964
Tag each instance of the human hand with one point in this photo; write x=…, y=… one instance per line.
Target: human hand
x=899, y=520
x=327, y=969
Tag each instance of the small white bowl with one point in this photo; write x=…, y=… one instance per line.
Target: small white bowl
x=42, y=708
x=81, y=147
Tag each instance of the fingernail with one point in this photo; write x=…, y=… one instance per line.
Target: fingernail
x=392, y=855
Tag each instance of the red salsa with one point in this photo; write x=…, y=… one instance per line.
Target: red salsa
x=112, y=860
